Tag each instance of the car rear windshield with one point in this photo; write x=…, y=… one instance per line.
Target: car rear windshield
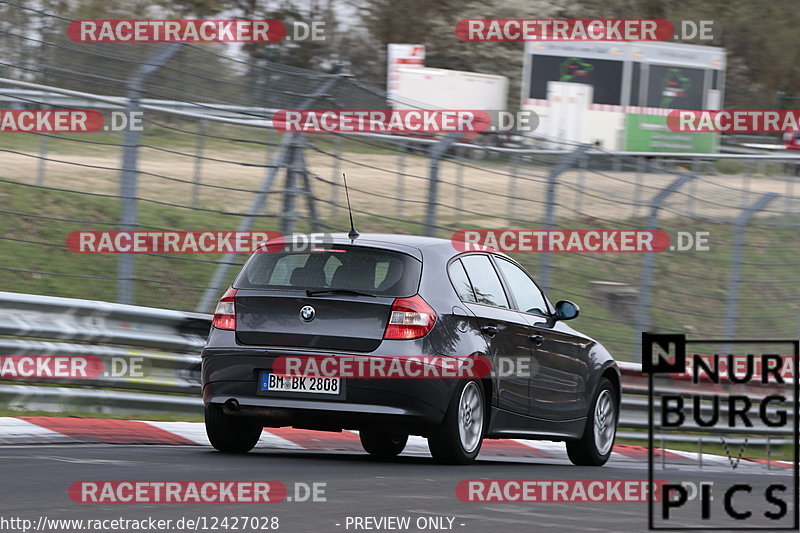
x=378, y=272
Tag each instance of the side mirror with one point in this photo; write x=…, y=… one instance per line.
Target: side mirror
x=566, y=310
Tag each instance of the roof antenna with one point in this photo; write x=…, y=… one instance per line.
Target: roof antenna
x=353, y=233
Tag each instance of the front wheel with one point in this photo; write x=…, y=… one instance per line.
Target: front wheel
x=383, y=445
x=458, y=439
x=594, y=447
x=231, y=434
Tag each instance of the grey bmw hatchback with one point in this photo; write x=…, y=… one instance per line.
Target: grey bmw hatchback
x=399, y=297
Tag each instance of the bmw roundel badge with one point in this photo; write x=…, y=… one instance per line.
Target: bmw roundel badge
x=307, y=313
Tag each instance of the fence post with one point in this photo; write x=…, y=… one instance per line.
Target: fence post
x=297, y=169
x=289, y=215
x=281, y=160
x=42, y=159
x=459, y=192
x=581, y=182
x=641, y=170
x=736, y=261
x=337, y=173
x=745, y=186
x=130, y=173
x=790, y=177
x=642, y=321
x=566, y=162
x=198, y=161
x=512, y=189
x=401, y=178
x=310, y=199
x=436, y=153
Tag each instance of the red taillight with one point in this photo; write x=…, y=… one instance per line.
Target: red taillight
x=410, y=318
x=225, y=313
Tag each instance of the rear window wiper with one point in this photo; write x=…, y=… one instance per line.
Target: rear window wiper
x=309, y=292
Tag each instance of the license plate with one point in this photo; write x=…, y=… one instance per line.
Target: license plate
x=307, y=384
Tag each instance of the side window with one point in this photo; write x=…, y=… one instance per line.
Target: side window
x=485, y=283
x=461, y=282
x=527, y=295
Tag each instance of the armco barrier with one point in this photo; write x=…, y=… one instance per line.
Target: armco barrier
x=167, y=344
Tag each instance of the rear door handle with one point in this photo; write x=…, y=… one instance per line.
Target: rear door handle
x=490, y=330
x=537, y=339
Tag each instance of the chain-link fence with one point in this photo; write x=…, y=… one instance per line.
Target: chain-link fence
x=208, y=158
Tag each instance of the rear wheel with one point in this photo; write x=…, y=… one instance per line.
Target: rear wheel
x=594, y=447
x=458, y=440
x=231, y=434
x=383, y=445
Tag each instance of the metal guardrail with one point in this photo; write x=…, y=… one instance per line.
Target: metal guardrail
x=21, y=98
x=167, y=345
x=163, y=344
x=24, y=398
x=47, y=317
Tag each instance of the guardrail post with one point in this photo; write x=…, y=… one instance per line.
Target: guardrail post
x=436, y=153
x=700, y=452
x=130, y=173
x=736, y=261
x=769, y=454
x=642, y=322
x=566, y=162
x=282, y=159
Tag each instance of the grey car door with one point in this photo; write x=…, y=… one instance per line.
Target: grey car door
x=556, y=366
x=505, y=330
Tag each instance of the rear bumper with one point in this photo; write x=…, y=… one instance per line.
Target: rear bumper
x=411, y=405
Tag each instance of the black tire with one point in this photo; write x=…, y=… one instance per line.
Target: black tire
x=588, y=451
x=445, y=442
x=383, y=445
x=231, y=434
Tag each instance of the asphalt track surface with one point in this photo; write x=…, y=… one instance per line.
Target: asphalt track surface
x=35, y=480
